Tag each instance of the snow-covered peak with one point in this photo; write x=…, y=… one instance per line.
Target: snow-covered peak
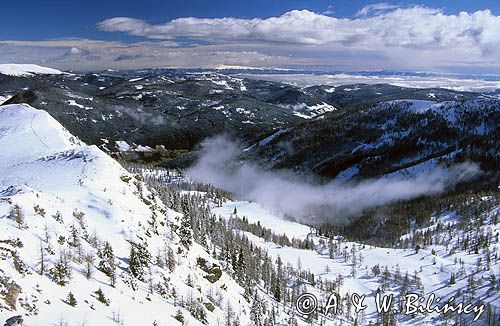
x=14, y=69
x=39, y=153
x=35, y=146
x=417, y=106
x=71, y=197
x=28, y=133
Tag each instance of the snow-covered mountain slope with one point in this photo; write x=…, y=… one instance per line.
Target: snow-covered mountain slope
x=308, y=112
x=13, y=69
x=84, y=241
x=446, y=266
x=28, y=134
x=63, y=205
x=453, y=256
x=385, y=138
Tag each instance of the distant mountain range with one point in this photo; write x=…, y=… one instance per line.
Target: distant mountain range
x=354, y=131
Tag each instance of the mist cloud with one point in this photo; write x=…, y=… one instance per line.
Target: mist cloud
x=141, y=115
x=285, y=194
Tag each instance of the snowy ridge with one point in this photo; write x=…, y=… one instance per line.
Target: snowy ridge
x=27, y=134
x=61, y=200
x=4, y=98
x=13, y=69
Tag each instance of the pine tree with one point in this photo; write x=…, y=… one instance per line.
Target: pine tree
x=107, y=264
x=256, y=312
x=41, y=261
x=170, y=260
x=241, y=265
x=58, y=217
x=17, y=215
x=331, y=249
x=61, y=272
x=472, y=285
x=75, y=236
x=89, y=265
x=452, y=279
x=185, y=232
x=71, y=300
x=277, y=290
x=101, y=297
x=139, y=260
x=228, y=314
x=179, y=316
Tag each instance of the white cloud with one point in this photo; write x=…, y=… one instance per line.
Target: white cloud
x=83, y=54
x=387, y=26
x=329, y=11
x=380, y=37
x=282, y=192
x=375, y=8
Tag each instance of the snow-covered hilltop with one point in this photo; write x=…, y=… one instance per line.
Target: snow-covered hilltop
x=14, y=69
x=78, y=233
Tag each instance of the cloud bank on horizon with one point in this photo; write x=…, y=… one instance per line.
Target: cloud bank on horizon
x=415, y=27
x=379, y=36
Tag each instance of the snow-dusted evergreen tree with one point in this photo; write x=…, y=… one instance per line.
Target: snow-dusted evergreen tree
x=89, y=261
x=42, y=260
x=256, y=313
x=71, y=300
x=107, y=264
x=17, y=215
x=170, y=260
x=61, y=271
x=185, y=232
x=139, y=260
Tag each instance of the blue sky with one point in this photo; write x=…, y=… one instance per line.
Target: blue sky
x=44, y=19
x=76, y=34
